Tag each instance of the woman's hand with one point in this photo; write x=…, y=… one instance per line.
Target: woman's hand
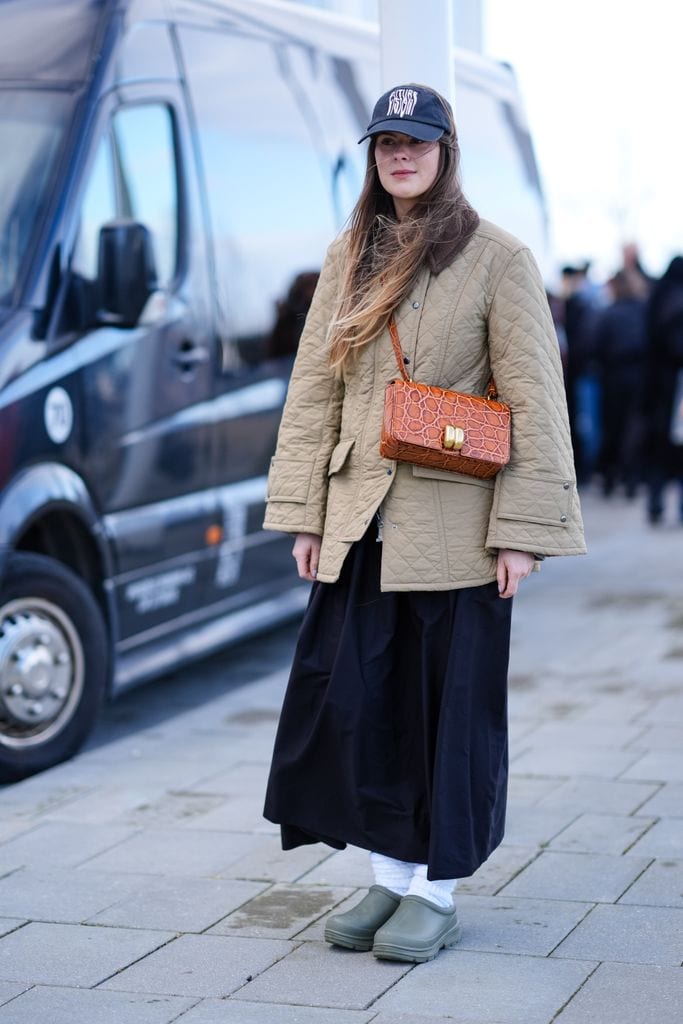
x=306, y=551
x=513, y=566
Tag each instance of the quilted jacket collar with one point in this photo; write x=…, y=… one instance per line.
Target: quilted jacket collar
x=446, y=247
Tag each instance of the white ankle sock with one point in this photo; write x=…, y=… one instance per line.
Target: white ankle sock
x=439, y=892
x=392, y=874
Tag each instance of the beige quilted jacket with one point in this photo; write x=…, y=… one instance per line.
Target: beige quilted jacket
x=486, y=311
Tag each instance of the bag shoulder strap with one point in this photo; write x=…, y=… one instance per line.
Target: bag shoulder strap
x=491, y=390
x=396, y=345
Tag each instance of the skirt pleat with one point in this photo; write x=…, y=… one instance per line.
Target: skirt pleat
x=393, y=731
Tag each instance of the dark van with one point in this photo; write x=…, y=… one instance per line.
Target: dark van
x=171, y=174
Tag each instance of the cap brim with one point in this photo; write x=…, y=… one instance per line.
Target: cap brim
x=417, y=130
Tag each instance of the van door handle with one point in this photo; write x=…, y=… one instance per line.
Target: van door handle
x=190, y=355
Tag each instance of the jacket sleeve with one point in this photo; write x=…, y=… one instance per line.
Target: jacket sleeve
x=309, y=429
x=535, y=503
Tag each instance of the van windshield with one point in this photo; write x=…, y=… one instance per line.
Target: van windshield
x=32, y=124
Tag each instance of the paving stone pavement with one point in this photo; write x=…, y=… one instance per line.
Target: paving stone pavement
x=139, y=883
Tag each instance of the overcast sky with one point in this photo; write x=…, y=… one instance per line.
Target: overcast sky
x=603, y=84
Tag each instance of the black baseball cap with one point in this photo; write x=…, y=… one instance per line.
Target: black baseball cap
x=411, y=110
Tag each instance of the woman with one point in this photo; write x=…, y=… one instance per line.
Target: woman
x=393, y=732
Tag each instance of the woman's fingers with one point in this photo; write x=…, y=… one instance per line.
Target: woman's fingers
x=302, y=556
x=313, y=560
x=512, y=567
x=510, y=585
x=502, y=576
x=306, y=552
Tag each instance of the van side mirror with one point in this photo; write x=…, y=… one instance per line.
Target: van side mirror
x=126, y=272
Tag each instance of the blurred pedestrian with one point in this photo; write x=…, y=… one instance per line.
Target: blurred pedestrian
x=641, y=281
x=664, y=389
x=620, y=343
x=581, y=299
x=393, y=733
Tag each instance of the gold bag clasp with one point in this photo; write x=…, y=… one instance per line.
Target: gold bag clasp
x=453, y=437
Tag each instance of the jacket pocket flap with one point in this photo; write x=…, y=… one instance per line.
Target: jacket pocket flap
x=340, y=455
x=289, y=480
x=446, y=474
x=536, y=499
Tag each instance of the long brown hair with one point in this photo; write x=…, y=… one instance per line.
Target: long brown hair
x=384, y=255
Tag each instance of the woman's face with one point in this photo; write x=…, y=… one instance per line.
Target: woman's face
x=407, y=168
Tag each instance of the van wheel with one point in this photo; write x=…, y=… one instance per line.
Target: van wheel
x=53, y=664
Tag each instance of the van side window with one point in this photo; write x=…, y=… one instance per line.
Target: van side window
x=269, y=187
x=133, y=177
x=145, y=179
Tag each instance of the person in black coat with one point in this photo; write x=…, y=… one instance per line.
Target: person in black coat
x=620, y=344
x=664, y=388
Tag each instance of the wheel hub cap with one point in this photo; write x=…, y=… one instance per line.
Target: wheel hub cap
x=41, y=670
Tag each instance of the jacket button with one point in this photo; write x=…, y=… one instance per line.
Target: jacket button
x=416, y=305
x=563, y=519
x=389, y=472
x=566, y=485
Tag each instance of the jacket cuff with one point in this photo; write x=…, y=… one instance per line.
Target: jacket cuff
x=536, y=513
x=296, y=495
x=291, y=517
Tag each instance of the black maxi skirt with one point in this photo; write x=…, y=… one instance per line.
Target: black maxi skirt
x=393, y=732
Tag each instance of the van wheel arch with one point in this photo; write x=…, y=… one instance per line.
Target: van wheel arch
x=61, y=534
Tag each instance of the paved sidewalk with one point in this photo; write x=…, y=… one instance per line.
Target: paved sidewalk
x=140, y=885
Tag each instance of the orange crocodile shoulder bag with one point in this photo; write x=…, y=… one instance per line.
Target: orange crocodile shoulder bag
x=441, y=429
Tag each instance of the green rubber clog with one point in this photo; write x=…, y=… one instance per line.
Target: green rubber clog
x=416, y=932
x=356, y=928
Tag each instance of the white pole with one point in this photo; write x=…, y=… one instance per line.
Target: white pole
x=416, y=44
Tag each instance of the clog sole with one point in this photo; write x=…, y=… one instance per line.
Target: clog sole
x=340, y=938
x=387, y=951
